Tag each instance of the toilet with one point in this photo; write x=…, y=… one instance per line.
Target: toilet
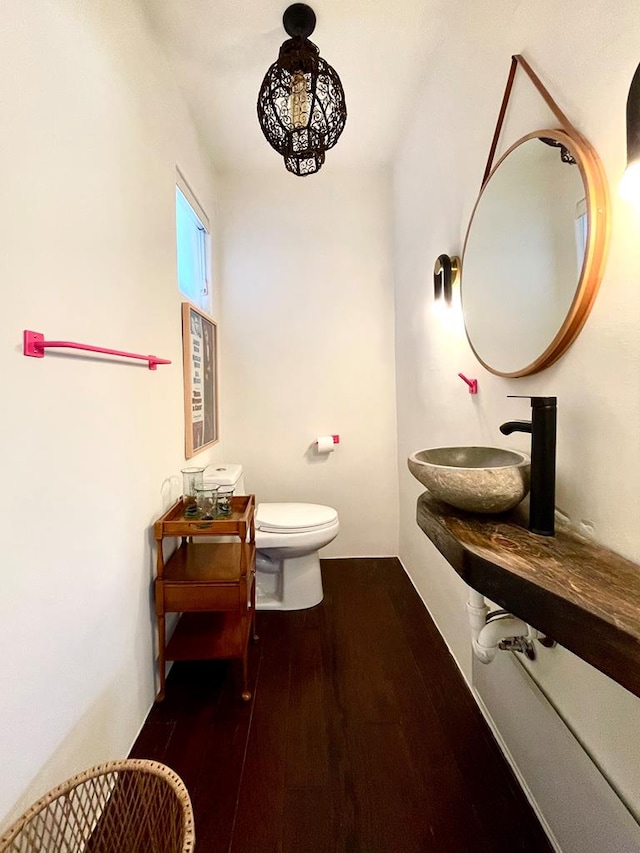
x=288, y=538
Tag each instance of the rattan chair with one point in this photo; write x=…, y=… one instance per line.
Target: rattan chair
x=129, y=806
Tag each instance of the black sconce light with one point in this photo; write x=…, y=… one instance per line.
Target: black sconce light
x=630, y=184
x=445, y=275
x=565, y=155
x=301, y=105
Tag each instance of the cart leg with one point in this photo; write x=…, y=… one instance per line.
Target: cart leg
x=254, y=636
x=246, y=693
x=161, y=658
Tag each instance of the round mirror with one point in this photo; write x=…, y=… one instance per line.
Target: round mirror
x=533, y=253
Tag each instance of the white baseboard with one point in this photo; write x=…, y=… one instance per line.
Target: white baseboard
x=574, y=801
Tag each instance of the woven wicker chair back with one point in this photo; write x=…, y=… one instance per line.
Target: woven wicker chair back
x=129, y=806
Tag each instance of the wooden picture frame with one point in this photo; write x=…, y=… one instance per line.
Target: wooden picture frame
x=200, y=371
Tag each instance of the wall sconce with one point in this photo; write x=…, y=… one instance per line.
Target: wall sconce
x=301, y=105
x=445, y=274
x=630, y=183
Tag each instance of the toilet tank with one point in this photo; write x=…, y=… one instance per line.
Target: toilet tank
x=225, y=475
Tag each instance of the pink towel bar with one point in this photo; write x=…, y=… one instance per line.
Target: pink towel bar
x=35, y=345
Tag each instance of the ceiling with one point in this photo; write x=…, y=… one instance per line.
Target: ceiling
x=221, y=49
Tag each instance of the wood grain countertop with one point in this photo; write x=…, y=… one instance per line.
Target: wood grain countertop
x=570, y=588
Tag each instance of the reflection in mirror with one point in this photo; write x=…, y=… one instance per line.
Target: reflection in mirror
x=527, y=280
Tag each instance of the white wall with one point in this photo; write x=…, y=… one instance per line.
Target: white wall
x=308, y=345
x=587, y=62
x=92, y=131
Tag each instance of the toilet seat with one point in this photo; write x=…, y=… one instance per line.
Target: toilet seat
x=294, y=517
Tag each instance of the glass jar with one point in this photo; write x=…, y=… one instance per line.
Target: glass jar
x=206, y=501
x=225, y=494
x=191, y=479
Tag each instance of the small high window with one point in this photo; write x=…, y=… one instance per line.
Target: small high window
x=193, y=247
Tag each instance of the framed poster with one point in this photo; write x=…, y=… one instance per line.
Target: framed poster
x=199, y=361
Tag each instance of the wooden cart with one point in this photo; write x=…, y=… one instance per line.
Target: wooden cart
x=212, y=584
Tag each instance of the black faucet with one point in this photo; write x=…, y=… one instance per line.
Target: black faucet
x=542, y=427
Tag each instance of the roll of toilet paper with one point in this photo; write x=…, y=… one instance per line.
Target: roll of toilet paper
x=325, y=444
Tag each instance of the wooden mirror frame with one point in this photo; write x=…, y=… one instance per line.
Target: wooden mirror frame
x=597, y=199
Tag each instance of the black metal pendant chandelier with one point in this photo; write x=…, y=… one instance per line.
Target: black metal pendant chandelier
x=301, y=105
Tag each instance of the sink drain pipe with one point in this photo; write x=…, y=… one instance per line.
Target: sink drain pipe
x=491, y=632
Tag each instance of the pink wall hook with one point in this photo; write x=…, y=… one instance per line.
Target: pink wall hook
x=472, y=383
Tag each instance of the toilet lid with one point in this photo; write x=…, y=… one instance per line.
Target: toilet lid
x=294, y=518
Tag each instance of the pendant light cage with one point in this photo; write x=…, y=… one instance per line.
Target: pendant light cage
x=301, y=106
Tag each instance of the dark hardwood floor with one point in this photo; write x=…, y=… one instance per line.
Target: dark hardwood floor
x=361, y=736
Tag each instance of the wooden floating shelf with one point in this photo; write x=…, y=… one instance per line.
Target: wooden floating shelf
x=569, y=588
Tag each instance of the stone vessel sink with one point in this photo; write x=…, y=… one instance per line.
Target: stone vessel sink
x=476, y=479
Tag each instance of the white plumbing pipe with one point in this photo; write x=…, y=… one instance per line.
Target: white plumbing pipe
x=477, y=610
x=485, y=647
x=485, y=637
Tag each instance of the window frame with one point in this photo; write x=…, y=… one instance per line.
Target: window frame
x=204, y=297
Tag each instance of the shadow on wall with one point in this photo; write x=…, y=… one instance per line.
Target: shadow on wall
x=93, y=734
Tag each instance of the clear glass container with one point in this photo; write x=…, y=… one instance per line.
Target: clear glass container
x=191, y=480
x=225, y=493
x=207, y=501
